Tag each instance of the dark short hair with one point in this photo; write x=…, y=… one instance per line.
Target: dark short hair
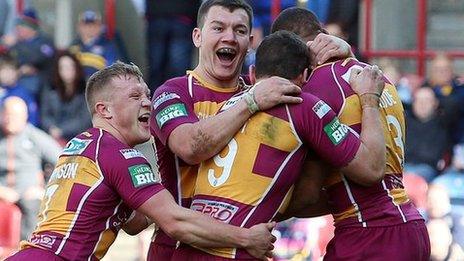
x=232, y=5
x=299, y=21
x=100, y=80
x=282, y=54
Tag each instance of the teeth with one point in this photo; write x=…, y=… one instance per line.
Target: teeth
x=227, y=50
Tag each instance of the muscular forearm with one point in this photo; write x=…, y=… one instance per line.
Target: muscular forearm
x=320, y=208
x=200, y=230
x=202, y=140
x=369, y=164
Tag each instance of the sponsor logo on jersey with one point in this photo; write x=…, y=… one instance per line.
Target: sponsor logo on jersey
x=219, y=210
x=164, y=97
x=65, y=171
x=170, y=112
x=76, y=146
x=141, y=175
x=131, y=153
x=321, y=109
x=43, y=240
x=336, y=131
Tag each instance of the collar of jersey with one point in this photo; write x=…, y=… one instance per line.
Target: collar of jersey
x=211, y=86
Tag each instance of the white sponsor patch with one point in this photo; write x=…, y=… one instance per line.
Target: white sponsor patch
x=163, y=97
x=219, y=210
x=131, y=153
x=43, y=240
x=76, y=146
x=321, y=109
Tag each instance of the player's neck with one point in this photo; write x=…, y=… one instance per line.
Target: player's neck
x=209, y=79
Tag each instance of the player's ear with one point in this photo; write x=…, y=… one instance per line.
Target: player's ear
x=306, y=75
x=196, y=37
x=103, y=110
x=252, y=73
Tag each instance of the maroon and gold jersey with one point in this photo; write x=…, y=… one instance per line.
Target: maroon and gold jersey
x=95, y=186
x=181, y=100
x=385, y=203
x=248, y=182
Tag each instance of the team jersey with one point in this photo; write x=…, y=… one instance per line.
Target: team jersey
x=181, y=100
x=354, y=205
x=95, y=186
x=248, y=182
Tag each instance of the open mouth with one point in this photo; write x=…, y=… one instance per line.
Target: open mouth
x=144, y=118
x=226, y=54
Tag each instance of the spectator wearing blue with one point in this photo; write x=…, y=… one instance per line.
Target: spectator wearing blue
x=449, y=89
x=262, y=20
x=169, y=38
x=9, y=86
x=33, y=50
x=92, y=47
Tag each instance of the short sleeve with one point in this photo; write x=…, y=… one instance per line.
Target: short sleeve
x=131, y=176
x=319, y=127
x=171, y=106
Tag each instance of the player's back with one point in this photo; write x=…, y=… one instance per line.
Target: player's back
x=248, y=182
x=82, y=213
x=385, y=203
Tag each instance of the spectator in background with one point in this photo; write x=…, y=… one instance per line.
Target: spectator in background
x=438, y=204
x=62, y=113
x=33, y=50
x=346, y=14
x=450, y=90
x=169, y=38
x=262, y=20
x=92, y=47
x=443, y=247
x=23, y=147
x=9, y=86
x=453, y=181
x=338, y=29
x=427, y=134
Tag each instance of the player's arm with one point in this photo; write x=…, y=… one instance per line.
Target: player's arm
x=136, y=223
x=325, y=47
x=201, y=230
x=368, y=166
x=308, y=198
x=201, y=140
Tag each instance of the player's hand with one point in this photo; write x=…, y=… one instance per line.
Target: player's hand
x=367, y=80
x=325, y=47
x=274, y=91
x=261, y=241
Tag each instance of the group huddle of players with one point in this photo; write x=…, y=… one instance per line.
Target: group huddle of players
x=236, y=153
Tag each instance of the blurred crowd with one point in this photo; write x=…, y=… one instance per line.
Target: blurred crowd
x=43, y=105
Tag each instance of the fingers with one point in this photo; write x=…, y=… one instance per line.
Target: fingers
x=354, y=73
x=269, y=254
x=271, y=225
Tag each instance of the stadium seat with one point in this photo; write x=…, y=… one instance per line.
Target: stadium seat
x=10, y=226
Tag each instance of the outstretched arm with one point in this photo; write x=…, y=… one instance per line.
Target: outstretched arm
x=196, y=142
x=201, y=230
